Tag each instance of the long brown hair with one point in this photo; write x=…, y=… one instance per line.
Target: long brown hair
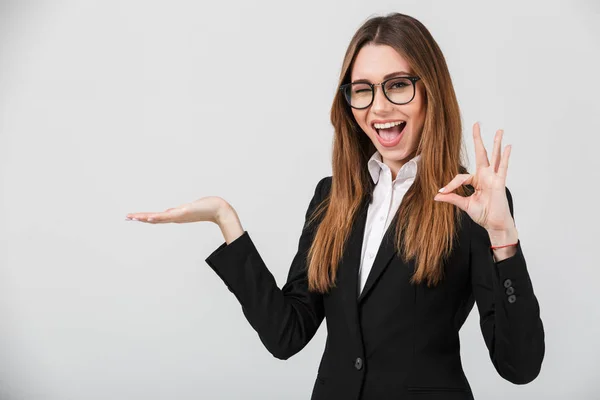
x=425, y=228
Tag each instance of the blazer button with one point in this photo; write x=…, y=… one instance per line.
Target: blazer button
x=510, y=290
x=507, y=283
x=358, y=364
x=512, y=298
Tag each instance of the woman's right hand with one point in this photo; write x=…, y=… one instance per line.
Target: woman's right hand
x=204, y=209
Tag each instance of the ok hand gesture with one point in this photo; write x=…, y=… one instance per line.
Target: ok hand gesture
x=488, y=206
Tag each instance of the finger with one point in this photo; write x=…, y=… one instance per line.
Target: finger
x=481, y=156
x=143, y=217
x=137, y=216
x=460, y=179
x=163, y=217
x=156, y=217
x=503, y=167
x=452, y=198
x=496, y=150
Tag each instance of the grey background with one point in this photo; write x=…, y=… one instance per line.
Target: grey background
x=111, y=107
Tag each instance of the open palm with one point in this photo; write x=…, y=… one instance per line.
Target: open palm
x=488, y=206
x=204, y=209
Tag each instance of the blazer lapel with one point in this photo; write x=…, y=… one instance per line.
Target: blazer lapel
x=382, y=259
x=348, y=272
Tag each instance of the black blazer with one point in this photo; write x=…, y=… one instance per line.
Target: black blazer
x=395, y=340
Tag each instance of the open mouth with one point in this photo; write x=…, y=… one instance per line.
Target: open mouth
x=392, y=132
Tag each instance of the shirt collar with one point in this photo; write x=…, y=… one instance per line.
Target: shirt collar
x=376, y=166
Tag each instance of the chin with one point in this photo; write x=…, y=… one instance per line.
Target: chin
x=399, y=154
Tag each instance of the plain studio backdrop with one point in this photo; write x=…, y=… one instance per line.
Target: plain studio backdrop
x=112, y=107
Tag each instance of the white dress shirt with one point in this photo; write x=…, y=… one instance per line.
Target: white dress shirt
x=387, y=196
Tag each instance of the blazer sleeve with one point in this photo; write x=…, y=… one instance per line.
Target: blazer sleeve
x=508, y=309
x=285, y=319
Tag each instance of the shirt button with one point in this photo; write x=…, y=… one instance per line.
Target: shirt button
x=370, y=255
x=358, y=364
x=381, y=218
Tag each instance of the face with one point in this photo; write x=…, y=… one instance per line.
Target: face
x=373, y=63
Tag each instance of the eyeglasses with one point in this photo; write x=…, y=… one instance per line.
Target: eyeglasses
x=398, y=90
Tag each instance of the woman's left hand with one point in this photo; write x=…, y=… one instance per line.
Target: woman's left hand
x=488, y=206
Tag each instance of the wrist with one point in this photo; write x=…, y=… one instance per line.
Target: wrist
x=229, y=223
x=224, y=212
x=503, y=237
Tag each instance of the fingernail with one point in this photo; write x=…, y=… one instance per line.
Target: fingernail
x=135, y=219
x=150, y=219
x=441, y=190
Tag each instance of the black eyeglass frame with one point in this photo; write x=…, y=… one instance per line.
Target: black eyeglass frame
x=413, y=80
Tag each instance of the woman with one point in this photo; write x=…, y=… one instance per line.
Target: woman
x=394, y=299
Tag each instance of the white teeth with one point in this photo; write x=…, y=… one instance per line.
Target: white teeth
x=387, y=125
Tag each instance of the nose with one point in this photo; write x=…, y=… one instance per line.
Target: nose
x=380, y=102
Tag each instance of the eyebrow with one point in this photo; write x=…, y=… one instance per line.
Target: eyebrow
x=390, y=75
